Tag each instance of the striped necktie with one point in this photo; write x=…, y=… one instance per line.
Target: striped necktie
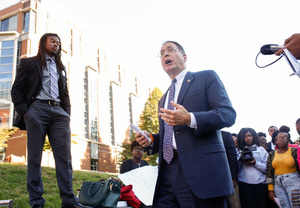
x=168, y=135
x=53, y=79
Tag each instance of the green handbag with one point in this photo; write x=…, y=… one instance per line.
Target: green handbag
x=101, y=194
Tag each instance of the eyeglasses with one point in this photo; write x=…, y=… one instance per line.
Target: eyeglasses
x=282, y=138
x=139, y=149
x=169, y=50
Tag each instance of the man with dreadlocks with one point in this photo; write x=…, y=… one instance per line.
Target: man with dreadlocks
x=41, y=100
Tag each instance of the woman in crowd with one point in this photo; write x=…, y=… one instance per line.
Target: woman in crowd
x=136, y=161
x=252, y=171
x=283, y=172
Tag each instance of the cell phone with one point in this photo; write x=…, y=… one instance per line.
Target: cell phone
x=135, y=128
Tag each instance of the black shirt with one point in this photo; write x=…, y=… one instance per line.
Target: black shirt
x=129, y=165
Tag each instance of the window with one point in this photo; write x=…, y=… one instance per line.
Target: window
x=94, y=165
x=29, y=21
x=26, y=21
x=6, y=68
x=91, y=105
x=111, y=110
x=9, y=24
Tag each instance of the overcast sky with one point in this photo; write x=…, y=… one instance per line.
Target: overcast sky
x=221, y=35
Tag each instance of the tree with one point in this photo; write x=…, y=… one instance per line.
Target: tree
x=5, y=133
x=149, y=122
x=47, y=145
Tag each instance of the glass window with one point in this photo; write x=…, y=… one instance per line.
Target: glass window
x=93, y=105
x=5, y=68
x=94, y=165
x=8, y=44
x=26, y=21
x=4, y=25
x=9, y=24
x=5, y=77
x=6, y=52
x=6, y=60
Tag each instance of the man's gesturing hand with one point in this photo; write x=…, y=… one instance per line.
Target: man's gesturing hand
x=177, y=117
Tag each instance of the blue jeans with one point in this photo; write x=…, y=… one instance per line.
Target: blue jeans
x=287, y=189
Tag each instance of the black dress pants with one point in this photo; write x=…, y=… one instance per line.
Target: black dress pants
x=174, y=192
x=43, y=119
x=254, y=195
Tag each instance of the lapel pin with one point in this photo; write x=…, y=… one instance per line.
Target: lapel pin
x=188, y=80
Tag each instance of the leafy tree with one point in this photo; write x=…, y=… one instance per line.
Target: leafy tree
x=47, y=145
x=148, y=122
x=5, y=133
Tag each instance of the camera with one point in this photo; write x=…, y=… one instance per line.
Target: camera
x=247, y=153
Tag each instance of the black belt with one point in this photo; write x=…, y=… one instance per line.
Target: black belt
x=50, y=102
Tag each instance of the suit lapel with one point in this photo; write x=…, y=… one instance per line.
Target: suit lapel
x=39, y=68
x=189, y=77
x=162, y=100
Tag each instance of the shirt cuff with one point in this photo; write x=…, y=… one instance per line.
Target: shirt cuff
x=193, y=124
x=270, y=187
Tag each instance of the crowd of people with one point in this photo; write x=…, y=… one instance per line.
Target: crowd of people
x=267, y=172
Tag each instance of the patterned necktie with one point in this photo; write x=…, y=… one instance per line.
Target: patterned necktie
x=168, y=136
x=54, y=79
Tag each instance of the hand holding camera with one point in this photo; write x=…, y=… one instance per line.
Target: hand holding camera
x=247, y=156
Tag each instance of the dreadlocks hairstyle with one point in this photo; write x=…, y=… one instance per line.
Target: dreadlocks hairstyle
x=241, y=137
x=42, y=49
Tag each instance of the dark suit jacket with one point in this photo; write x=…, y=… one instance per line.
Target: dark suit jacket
x=28, y=84
x=201, y=151
x=269, y=147
x=231, y=153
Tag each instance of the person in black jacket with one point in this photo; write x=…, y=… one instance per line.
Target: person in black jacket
x=271, y=144
x=136, y=161
x=233, y=199
x=41, y=100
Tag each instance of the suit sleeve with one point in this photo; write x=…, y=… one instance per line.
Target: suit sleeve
x=220, y=112
x=19, y=88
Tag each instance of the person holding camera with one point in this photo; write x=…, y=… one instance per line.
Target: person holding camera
x=283, y=172
x=252, y=170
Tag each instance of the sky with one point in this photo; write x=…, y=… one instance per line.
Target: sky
x=224, y=36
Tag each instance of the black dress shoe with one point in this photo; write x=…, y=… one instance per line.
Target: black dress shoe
x=38, y=206
x=78, y=205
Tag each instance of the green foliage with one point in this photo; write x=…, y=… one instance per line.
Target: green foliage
x=47, y=145
x=126, y=153
x=13, y=184
x=5, y=133
x=148, y=122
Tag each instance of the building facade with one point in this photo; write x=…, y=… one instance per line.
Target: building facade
x=105, y=96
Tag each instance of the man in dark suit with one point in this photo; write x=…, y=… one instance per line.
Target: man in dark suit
x=271, y=144
x=233, y=199
x=193, y=168
x=41, y=100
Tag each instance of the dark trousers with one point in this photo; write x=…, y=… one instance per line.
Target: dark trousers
x=254, y=195
x=43, y=119
x=174, y=192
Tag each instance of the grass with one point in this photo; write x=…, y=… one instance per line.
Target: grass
x=13, y=184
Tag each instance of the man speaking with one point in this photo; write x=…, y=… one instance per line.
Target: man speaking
x=193, y=168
